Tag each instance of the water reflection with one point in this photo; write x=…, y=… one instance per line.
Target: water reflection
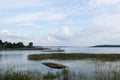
x=17, y=60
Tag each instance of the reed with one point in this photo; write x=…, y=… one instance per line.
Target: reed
x=19, y=75
x=60, y=75
x=74, y=56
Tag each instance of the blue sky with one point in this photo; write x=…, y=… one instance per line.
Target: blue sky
x=60, y=22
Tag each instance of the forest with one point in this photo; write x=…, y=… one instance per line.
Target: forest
x=13, y=45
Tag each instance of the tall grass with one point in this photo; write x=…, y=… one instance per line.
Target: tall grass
x=63, y=75
x=60, y=75
x=20, y=75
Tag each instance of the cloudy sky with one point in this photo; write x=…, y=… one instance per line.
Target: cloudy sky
x=60, y=22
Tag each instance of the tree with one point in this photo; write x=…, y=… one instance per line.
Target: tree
x=8, y=45
x=19, y=45
x=1, y=44
x=5, y=44
x=30, y=44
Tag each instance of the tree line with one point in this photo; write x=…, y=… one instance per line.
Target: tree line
x=10, y=45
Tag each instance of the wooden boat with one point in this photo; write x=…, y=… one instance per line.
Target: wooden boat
x=54, y=65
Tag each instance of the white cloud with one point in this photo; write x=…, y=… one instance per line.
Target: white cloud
x=87, y=21
x=27, y=25
x=63, y=34
x=102, y=3
x=36, y=16
x=13, y=4
x=59, y=36
x=107, y=21
x=52, y=39
x=5, y=32
x=85, y=36
x=53, y=16
x=49, y=40
x=6, y=35
x=22, y=18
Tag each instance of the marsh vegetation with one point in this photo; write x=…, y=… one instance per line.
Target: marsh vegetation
x=74, y=56
x=81, y=66
x=99, y=74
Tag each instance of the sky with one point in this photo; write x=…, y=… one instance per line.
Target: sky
x=60, y=22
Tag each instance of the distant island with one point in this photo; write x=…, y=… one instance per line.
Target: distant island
x=106, y=46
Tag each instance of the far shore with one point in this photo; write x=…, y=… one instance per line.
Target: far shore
x=74, y=56
x=113, y=46
x=21, y=49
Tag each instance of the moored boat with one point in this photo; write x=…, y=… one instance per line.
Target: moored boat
x=54, y=65
x=53, y=50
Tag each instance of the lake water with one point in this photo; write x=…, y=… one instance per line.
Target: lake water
x=17, y=60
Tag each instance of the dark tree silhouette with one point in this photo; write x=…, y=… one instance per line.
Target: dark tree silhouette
x=20, y=45
x=1, y=44
x=9, y=45
x=30, y=44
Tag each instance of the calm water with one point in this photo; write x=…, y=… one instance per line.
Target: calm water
x=17, y=60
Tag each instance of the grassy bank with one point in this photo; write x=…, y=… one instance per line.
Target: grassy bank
x=74, y=56
x=60, y=75
x=34, y=75
x=20, y=75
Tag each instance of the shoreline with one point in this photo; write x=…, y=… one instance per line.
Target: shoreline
x=14, y=49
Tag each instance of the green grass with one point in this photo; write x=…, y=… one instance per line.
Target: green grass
x=33, y=75
x=20, y=75
x=74, y=56
x=60, y=75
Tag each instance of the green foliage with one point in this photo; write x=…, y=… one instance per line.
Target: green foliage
x=1, y=44
x=30, y=44
x=49, y=76
x=32, y=75
x=98, y=74
x=20, y=45
x=15, y=46
x=20, y=75
x=62, y=75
